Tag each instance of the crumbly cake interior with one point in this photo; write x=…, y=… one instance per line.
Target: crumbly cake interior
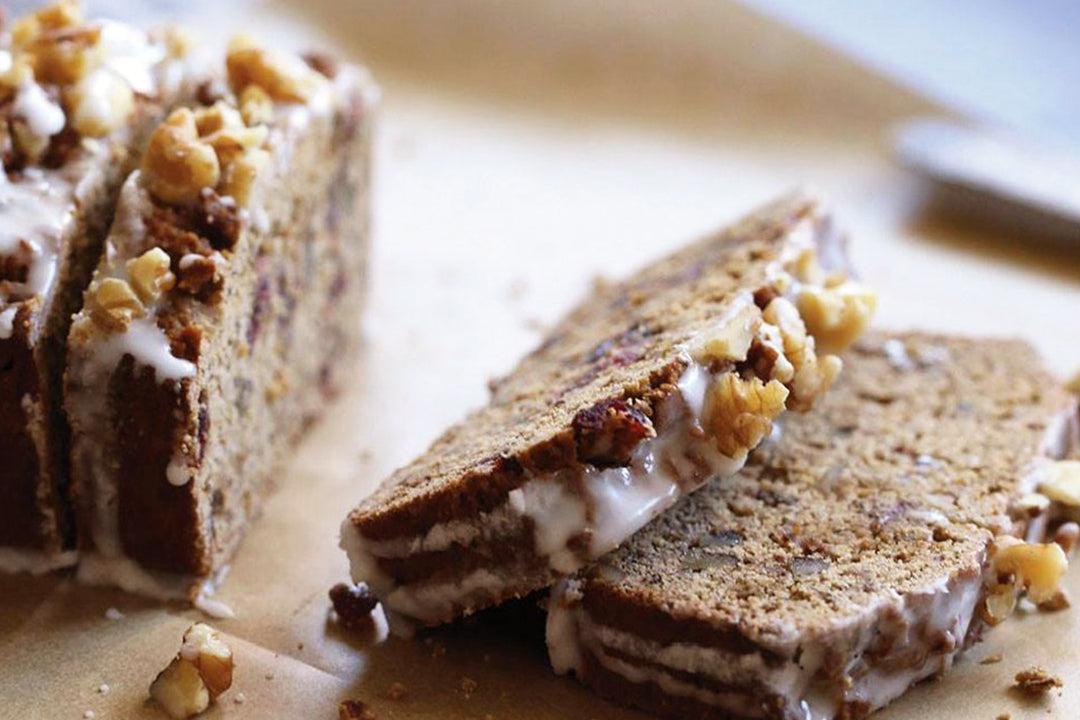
x=78, y=99
x=866, y=526
x=221, y=320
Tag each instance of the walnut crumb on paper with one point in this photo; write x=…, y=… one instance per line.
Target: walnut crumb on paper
x=354, y=710
x=1004, y=716
x=991, y=659
x=1036, y=681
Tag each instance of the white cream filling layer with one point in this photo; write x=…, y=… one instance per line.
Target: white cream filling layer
x=617, y=502
x=571, y=633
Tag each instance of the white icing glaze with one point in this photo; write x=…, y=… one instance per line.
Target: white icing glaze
x=35, y=209
x=44, y=117
x=130, y=54
x=35, y=562
x=205, y=603
x=7, y=322
x=177, y=472
x=146, y=342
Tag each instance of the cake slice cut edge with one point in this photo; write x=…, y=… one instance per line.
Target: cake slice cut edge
x=222, y=319
x=80, y=97
x=858, y=553
x=649, y=389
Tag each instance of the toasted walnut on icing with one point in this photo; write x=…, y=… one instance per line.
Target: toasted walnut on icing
x=217, y=147
x=115, y=302
x=811, y=375
x=178, y=164
x=282, y=76
x=200, y=672
x=739, y=412
x=1016, y=567
x=1061, y=482
x=837, y=312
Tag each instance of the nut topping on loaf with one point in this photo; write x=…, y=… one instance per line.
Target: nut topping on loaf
x=77, y=100
x=221, y=318
x=649, y=389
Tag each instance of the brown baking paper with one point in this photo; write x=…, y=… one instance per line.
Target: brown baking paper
x=525, y=148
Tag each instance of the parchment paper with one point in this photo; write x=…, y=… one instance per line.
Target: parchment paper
x=526, y=147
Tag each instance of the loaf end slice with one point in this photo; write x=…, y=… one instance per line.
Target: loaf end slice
x=225, y=314
x=857, y=553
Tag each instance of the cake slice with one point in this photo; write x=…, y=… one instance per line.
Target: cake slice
x=855, y=555
x=645, y=391
x=77, y=99
x=221, y=318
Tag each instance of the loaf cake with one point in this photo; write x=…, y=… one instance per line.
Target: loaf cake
x=77, y=99
x=857, y=553
x=222, y=316
x=645, y=391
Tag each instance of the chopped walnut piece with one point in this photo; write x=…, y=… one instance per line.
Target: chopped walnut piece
x=1062, y=482
x=991, y=659
x=739, y=413
x=231, y=143
x=219, y=116
x=1016, y=566
x=115, y=304
x=177, y=164
x=62, y=14
x=242, y=173
x=65, y=56
x=256, y=106
x=836, y=316
x=150, y=275
x=1036, y=681
x=813, y=374
x=199, y=673
x=733, y=340
x=284, y=77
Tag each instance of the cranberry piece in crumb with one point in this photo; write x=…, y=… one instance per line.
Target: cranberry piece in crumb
x=608, y=432
x=353, y=605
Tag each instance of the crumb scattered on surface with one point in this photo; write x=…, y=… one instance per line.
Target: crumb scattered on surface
x=89, y=715
x=397, y=691
x=438, y=650
x=353, y=605
x=468, y=685
x=269, y=676
x=114, y=614
x=103, y=689
x=1004, y=716
x=240, y=698
x=299, y=646
x=1060, y=601
x=991, y=659
x=355, y=710
x=1036, y=681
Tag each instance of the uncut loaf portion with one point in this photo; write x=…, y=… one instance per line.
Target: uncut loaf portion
x=648, y=389
x=224, y=314
x=78, y=98
x=859, y=552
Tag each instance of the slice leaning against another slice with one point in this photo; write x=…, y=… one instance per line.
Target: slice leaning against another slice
x=224, y=314
x=855, y=555
x=650, y=388
x=78, y=98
